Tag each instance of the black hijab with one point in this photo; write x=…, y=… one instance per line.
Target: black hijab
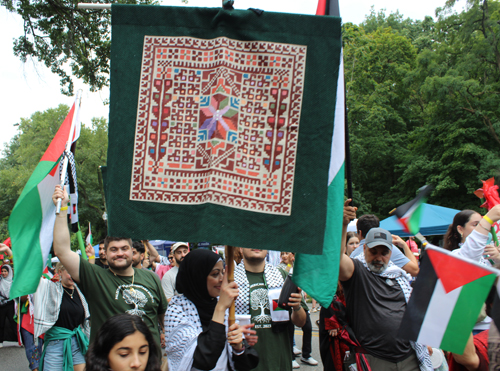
x=192, y=282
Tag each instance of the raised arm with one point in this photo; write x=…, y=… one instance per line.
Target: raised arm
x=4, y=249
x=412, y=266
x=153, y=254
x=346, y=269
x=62, y=244
x=474, y=245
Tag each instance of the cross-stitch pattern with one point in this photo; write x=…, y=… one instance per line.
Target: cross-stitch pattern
x=218, y=121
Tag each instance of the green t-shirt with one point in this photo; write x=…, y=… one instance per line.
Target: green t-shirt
x=108, y=295
x=274, y=349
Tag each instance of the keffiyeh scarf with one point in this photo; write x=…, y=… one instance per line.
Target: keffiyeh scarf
x=403, y=279
x=274, y=280
x=182, y=327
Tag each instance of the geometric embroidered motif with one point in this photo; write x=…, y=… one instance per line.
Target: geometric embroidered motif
x=218, y=122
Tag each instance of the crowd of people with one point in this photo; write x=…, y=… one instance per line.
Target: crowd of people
x=130, y=308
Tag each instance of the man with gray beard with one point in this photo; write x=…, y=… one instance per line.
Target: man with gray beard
x=376, y=293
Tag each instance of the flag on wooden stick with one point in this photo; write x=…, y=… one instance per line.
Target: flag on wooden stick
x=446, y=300
x=31, y=222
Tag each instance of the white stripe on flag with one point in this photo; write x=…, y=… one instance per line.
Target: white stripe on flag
x=438, y=315
x=45, y=191
x=337, y=153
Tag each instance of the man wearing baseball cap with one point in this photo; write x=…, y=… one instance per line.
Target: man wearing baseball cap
x=180, y=250
x=376, y=292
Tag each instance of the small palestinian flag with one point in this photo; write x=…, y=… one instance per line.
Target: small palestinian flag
x=46, y=273
x=89, y=240
x=446, y=300
x=410, y=213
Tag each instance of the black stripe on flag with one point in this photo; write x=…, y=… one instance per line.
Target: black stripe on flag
x=423, y=288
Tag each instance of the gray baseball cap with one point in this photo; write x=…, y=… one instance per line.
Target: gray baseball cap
x=378, y=237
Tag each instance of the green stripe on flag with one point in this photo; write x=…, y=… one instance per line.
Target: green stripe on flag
x=25, y=224
x=465, y=313
x=317, y=275
x=415, y=218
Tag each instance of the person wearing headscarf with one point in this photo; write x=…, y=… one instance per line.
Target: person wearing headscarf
x=195, y=322
x=7, y=324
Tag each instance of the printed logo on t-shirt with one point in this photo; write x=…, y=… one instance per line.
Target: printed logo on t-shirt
x=135, y=295
x=259, y=306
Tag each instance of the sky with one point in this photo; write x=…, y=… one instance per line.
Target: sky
x=30, y=87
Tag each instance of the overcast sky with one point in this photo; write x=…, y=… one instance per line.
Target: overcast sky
x=27, y=88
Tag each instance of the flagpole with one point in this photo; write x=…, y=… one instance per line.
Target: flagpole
x=68, y=145
x=229, y=255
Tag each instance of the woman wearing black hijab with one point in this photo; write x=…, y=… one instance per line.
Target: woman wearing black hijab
x=195, y=330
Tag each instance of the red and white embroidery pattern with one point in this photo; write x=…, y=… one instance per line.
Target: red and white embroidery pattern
x=218, y=121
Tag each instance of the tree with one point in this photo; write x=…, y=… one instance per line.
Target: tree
x=56, y=32
x=25, y=150
x=380, y=113
x=259, y=300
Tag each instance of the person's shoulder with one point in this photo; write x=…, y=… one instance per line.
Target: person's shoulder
x=87, y=267
x=171, y=273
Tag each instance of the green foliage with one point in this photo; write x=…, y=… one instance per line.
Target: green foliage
x=424, y=104
x=57, y=33
x=25, y=150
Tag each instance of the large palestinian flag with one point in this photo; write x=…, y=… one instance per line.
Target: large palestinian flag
x=310, y=270
x=31, y=222
x=222, y=126
x=446, y=300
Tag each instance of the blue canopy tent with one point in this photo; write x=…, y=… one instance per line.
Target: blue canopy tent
x=435, y=221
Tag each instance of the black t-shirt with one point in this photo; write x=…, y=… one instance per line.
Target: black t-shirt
x=71, y=314
x=375, y=307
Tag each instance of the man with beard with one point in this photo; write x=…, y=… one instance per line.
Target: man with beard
x=376, y=293
x=259, y=285
x=180, y=250
x=102, y=262
x=119, y=289
x=138, y=251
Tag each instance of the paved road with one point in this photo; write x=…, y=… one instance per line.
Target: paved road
x=13, y=358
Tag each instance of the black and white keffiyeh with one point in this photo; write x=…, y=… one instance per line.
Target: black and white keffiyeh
x=182, y=327
x=274, y=279
x=403, y=279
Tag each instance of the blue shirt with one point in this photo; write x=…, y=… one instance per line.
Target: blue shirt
x=397, y=257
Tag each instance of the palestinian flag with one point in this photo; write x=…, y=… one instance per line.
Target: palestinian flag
x=89, y=240
x=31, y=222
x=46, y=273
x=446, y=300
x=410, y=213
x=310, y=270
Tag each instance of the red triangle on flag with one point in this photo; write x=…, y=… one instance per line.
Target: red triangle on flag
x=404, y=223
x=275, y=304
x=454, y=272
x=58, y=144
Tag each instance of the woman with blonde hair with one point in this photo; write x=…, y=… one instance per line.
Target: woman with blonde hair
x=62, y=314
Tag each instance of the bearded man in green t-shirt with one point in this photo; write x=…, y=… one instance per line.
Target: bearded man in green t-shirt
x=259, y=286
x=119, y=289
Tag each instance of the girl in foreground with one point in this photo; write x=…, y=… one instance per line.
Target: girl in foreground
x=123, y=343
x=195, y=333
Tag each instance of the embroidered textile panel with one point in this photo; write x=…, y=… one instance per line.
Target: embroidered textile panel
x=218, y=122
x=220, y=126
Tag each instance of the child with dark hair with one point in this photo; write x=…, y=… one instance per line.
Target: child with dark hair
x=123, y=342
